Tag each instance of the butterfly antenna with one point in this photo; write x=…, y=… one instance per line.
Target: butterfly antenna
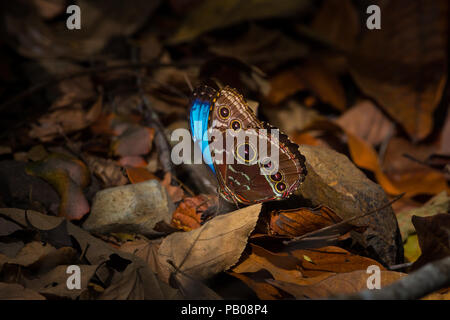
x=188, y=82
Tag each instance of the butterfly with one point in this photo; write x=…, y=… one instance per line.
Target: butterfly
x=251, y=178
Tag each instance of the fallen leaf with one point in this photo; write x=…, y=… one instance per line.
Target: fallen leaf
x=106, y=170
x=188, y=215
x=365, y=121
x=134, y=141
x=434, y=238
x=438, y=204
x=408, y=82
x=312, y=76
x=343, y=283
x=14, y=291
x=68, y=175
x=136, y=175
x=175, y=192
x=64, y=120
x=200, y=20
x=297, y=222
x=337, y=21
x=210, y=249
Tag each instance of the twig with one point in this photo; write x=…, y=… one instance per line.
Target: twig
x=428, y=279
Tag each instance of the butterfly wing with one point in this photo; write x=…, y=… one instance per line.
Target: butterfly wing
x=257, y=181
x=201, y=106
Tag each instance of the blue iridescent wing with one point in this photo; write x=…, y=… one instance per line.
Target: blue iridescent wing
x=202, y=103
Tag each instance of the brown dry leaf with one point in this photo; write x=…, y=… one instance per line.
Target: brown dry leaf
x=404, y=65
x=434, y=238
x=256, y=282
x=29, y=254
x=343, y=283
x=100, y=255
x=14, y=291
x=210, y=249
x=64, y=120
x=188, y=214
x=281, y=267
x=445, y=136
x=106, y=170
x=313, y=76
x=419, y=182
x=68, y=175
x=101, y=21
x=175, y=192
x=365, y=121
x=296, y=222
x=227, y=13
x=329, y=260
x=338, y=23
x=133, y=162
x=443, y=294
x=134, y=141
x=438, y=204
x=255, y=48
x=365, y=156
x=136, y=175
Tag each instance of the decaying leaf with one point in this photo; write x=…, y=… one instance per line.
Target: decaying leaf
x=206, y=251
x=312, y=76
x=297, y=222
x=438, y=204
x=231, y=12
x=65, y=120
x=343, y=283
x=68, y=175
x=188, y=215
x=103, y=260
x=409, y=81
x=135, y=141
x=367, y=122
x=14, y=291
x=434, y=237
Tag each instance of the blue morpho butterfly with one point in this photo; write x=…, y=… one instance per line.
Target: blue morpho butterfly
x=242, y=181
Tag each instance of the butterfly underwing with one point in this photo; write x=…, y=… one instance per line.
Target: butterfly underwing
x=249, y=177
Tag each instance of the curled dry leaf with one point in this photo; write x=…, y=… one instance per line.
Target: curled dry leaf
x=297, y=222
x=365, y=121
x=68, y=176
x=104, y=260
x=365, y=156
x=106, y=170
x=409, y=81
x=134, y=141
x=343, y=283
x=65, y=120
x=210, y=249
x=14, y=291
x=175, y=192
x=312, y=76
x=227, y=13
x=188, y=215
x=434, y=238
x=438, y=204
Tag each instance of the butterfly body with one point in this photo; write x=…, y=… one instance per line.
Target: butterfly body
x=249, y=178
